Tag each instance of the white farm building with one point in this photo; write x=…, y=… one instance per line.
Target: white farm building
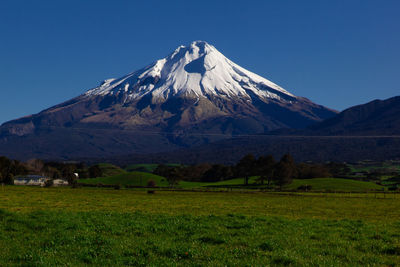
x=37, y=180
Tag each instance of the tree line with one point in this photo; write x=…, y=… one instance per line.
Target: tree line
x=266, y=168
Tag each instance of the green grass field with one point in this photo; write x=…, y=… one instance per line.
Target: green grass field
x=107, y=227
x=318, y=184
x=334, y=184
x=127, y=178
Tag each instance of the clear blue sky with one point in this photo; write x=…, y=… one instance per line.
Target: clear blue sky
x=336, y=53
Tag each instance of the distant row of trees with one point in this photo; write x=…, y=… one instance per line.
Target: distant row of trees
x=266, y=168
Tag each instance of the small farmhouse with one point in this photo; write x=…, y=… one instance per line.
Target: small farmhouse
x=60, y=182
x=31, y=180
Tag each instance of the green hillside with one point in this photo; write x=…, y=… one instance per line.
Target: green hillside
x=145, y=167
x=109, y=169
x=131, y=178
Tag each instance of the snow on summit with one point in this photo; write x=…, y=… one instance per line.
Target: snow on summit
x=197, y=70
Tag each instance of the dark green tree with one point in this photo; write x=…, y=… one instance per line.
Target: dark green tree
x=151, y=183
x=174, y=175
x=246, y=167
x=9, y=169
x=197, y=172
x=5, y=167
x=67, y=173
x=162, y=170
x=217, y=172
x=95, y=171
x=265, y=166
x=338, y=169
x=285, y=170
x=9, y=178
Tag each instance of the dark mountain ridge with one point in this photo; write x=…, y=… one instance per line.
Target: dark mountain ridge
x=378, y=117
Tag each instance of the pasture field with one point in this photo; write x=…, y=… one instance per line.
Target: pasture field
x=107, y=227
x=137, y=178
x=335, y=184
x=127, y=178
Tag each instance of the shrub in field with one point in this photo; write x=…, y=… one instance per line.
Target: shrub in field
x=304, y=187
x=151, y=183
x=49, y=183
x=394, y=188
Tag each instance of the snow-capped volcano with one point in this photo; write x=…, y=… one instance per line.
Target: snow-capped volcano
x=193, y=96
x=197, y=70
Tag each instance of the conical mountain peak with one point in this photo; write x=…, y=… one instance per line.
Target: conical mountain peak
x=193, y=96
x=196, y=70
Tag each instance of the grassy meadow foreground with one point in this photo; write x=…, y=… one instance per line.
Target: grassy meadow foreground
x=98, y=226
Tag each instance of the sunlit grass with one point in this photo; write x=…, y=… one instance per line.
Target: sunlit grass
x=373, y=207
x=107, y=227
